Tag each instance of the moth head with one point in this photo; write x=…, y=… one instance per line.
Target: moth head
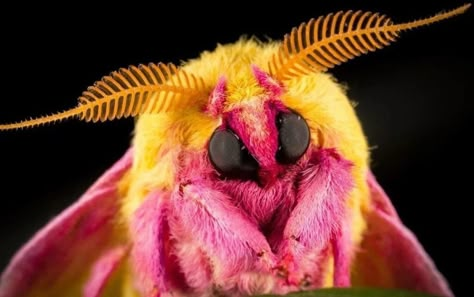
x=258, y=134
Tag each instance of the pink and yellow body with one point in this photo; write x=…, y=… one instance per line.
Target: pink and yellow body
x=164, y=222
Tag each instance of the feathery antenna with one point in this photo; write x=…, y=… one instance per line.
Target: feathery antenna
x=129, y=92
x=330, y=40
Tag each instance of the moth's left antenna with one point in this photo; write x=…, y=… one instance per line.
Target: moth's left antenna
x=129, y=92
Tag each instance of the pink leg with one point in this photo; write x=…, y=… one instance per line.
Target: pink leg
x=208, y=224
x=319, y=213
x=148, y=230
x=342, y=257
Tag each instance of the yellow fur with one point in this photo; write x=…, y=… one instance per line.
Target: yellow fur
x=329, y=278
x=317, y=97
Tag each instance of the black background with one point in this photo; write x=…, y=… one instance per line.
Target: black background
x=415, y=103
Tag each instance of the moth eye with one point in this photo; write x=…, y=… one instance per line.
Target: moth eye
x=293, y=136
x=229, y=156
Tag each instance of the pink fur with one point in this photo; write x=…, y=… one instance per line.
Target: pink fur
x=204, y=219
x=319, y=212
x=217, y=98
x=323, y=188
x=226, y=231
x=71, y=241
x=342, y=251
x=220, y=225
x=195, y=266
x=389, y=248
x=255, y=124
x=272, y=198
x=148, y=230
x=267, y=82
x=103, y=270
x=262, y=146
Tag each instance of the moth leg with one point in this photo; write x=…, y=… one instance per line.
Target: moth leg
x=148, y=255
x=341, y=248
x=318, y=216
x=206, y=220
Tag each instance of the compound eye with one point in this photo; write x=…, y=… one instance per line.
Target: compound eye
x=229, y=156
x=293, y=136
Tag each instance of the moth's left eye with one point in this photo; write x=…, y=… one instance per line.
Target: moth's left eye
x=229, y=156
x=293, y=136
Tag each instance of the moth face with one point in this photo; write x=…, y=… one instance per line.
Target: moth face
x=257, y=140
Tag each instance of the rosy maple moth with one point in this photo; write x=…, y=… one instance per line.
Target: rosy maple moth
x=248, y=174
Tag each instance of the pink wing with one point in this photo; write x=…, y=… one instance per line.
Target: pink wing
x=72, y=249
x=390, y=254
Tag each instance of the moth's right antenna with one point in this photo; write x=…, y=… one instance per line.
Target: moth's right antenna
x=330, y=40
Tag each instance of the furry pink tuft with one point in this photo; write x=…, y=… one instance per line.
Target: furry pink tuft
x=217, y=98
x=267, y=82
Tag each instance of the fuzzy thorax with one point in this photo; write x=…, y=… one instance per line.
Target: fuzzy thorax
x=160, y=139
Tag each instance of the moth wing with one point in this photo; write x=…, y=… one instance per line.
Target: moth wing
x=81, y=245
x=390, y=254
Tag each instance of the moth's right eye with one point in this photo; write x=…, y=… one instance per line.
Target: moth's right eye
x=230, y=157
